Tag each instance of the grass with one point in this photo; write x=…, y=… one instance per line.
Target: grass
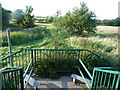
x=104, y=42
x=21, y=37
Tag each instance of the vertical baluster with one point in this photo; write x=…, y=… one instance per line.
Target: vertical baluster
x=8, y=80
x=40, y=55
x=4, y=81
x=17, y=82
x=32, y=58
x=22, y=57
x=17, y=78
x=56, y=54
x=35, y=57
x=15, y=60
x=82, y=56
x=19, y=59
x=98, y=79
x=12, y=77
x=47, y=54
x=53, y=54
x=29, y=55
x=95, y=80
x=109, y=81
x=8, y=62
x=105, y=80
x=101, y=79
x=63, y=54
x=21, y=79
x=60, y=54
x=44, y=54
x=25, y=58
x=118, y=81
x=113, y=84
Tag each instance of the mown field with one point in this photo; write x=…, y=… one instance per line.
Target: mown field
x=104, y=42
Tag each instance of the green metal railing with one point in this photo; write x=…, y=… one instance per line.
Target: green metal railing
x=24, y=56
x=102, y=78
x=29, y=59
x=106, y=78
x=12, y=78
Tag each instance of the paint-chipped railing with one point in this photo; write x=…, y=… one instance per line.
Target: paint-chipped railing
x=12, y=78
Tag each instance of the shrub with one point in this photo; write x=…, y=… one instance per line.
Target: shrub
x=50, y=68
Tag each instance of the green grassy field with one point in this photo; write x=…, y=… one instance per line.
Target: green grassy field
x=104, y=42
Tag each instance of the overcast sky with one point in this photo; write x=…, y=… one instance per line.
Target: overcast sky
x=104, y=9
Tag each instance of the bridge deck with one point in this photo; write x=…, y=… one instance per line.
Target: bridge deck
x=62, y=82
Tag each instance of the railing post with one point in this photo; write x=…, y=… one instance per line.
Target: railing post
x=35, y=57
x=21, y=79
x=78, y=54
x=32, y=57
x=10, y=49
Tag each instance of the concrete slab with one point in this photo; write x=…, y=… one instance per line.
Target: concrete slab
x=62, y=82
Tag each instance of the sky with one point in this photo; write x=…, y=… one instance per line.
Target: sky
x=104, y=9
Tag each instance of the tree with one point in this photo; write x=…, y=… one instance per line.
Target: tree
x=57, y=18
x=117, y=22
x=110, y=22
x=29, y=19
x=50, y=19
x=17, y=17
x=79, y=21
x=5, y=17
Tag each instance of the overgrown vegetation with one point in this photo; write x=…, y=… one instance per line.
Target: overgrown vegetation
x=73, y=31
x=52, y=67
x=24, y=36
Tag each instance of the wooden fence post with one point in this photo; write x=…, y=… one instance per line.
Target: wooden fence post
x=10, y=49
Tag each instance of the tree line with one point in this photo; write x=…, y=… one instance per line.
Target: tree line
x=79, y=21
x=110, y=22
x=18, y=17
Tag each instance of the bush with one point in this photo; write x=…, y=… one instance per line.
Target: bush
x=50, y=68
x=12, y=28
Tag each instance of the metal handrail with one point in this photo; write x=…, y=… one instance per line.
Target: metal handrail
x=11, y=55
x=85, y=68
x=84, y=78
x=58, y=49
